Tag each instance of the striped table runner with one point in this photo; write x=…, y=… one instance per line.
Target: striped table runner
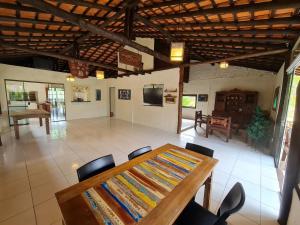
x=131, y=195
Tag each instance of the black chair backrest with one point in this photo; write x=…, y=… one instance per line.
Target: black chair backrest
x=200, y=149
x=95, y=167
x=139, y=152
x=233, y=202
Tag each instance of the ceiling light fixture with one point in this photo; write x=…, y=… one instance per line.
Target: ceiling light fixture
x=100, y=74
x=177, y=48
x=70, y=78
x=224, y=65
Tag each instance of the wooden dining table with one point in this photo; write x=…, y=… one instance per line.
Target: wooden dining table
x=151, y=189
x=30, y=113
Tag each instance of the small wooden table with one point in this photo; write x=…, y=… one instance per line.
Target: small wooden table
x=30, y=113
x=130, y=186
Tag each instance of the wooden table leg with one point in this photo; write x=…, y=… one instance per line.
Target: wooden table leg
x=16, y=127
x=207, y=190
x=41, y=121
x=47, y=125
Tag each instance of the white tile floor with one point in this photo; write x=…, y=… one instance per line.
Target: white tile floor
x=35, y=167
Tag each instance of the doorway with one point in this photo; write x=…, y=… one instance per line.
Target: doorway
x=56, y=97
x=22, y=95
x=112, y=99
x=285, y=146
x=189, y=104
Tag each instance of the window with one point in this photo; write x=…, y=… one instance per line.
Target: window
x=189, y=101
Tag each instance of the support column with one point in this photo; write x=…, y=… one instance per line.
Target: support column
x=180, y=92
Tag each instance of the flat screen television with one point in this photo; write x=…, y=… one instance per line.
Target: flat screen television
x=153, y=94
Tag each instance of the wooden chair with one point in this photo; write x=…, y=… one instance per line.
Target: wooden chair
x=218, y=123
x=199, y=118
x=197, y=215
x=95, y=167
x=139, y=152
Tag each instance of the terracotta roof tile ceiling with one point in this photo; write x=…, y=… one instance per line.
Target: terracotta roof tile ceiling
x=211, y=29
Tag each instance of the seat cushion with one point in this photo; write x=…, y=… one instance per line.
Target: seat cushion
x=194, y=214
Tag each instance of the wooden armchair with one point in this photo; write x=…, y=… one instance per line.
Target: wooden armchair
x=199, y=118
x=218, y=123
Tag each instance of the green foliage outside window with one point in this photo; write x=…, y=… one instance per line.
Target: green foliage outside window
x=18, y=96
x=189, y=101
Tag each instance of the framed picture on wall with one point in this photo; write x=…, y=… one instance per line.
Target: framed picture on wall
x=202, y=97
x=275, y=99
x=98, y=95
x=124, y=94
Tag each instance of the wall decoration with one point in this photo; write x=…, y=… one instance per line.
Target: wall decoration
x=79, y=69
x=169, y=90
x=80, y=93
x=275, y=99
x=124, y=94
x=170, y=99
x=202, y=97
x=130, y=58
x=98, y=95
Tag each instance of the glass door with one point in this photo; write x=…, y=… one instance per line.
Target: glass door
x=17, y=99
x=290, y=109
x=56, y=97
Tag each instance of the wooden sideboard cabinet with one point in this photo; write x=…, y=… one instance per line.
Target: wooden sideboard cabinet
x=237, y=104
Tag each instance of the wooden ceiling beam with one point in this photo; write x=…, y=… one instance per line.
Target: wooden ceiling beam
x=229, y=9
x=238, y=57
x=103, y=25
x=229, y=32
x=223, y=48
x=165, y=4
x=59, y=56
x=32, y=9
x=33, y=21
x=31, y=38
x=77, y=20
x=263, y=22
x=247, y=64
x=238, y=45
x=88, y=5
x=147, y=22
x=41, y=31
x=227, y=38
x=130, y=13
x=215, y=54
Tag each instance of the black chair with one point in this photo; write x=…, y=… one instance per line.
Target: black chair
x=197, y=215
x=139, y=152
x=95, y=167
x=200, y=149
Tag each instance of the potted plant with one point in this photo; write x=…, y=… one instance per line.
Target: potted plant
x=258, y=130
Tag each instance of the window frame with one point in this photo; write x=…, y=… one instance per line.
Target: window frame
x=190, y=95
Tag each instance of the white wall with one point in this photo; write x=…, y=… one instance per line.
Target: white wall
x=278, y=83
x=208, y=79
x=134, y=110
x=73, y=110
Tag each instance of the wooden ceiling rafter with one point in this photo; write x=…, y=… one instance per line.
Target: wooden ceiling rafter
x=94, y=29
x=237, y=9
x=59, y=56
x=236, y=26
x=105, y=23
